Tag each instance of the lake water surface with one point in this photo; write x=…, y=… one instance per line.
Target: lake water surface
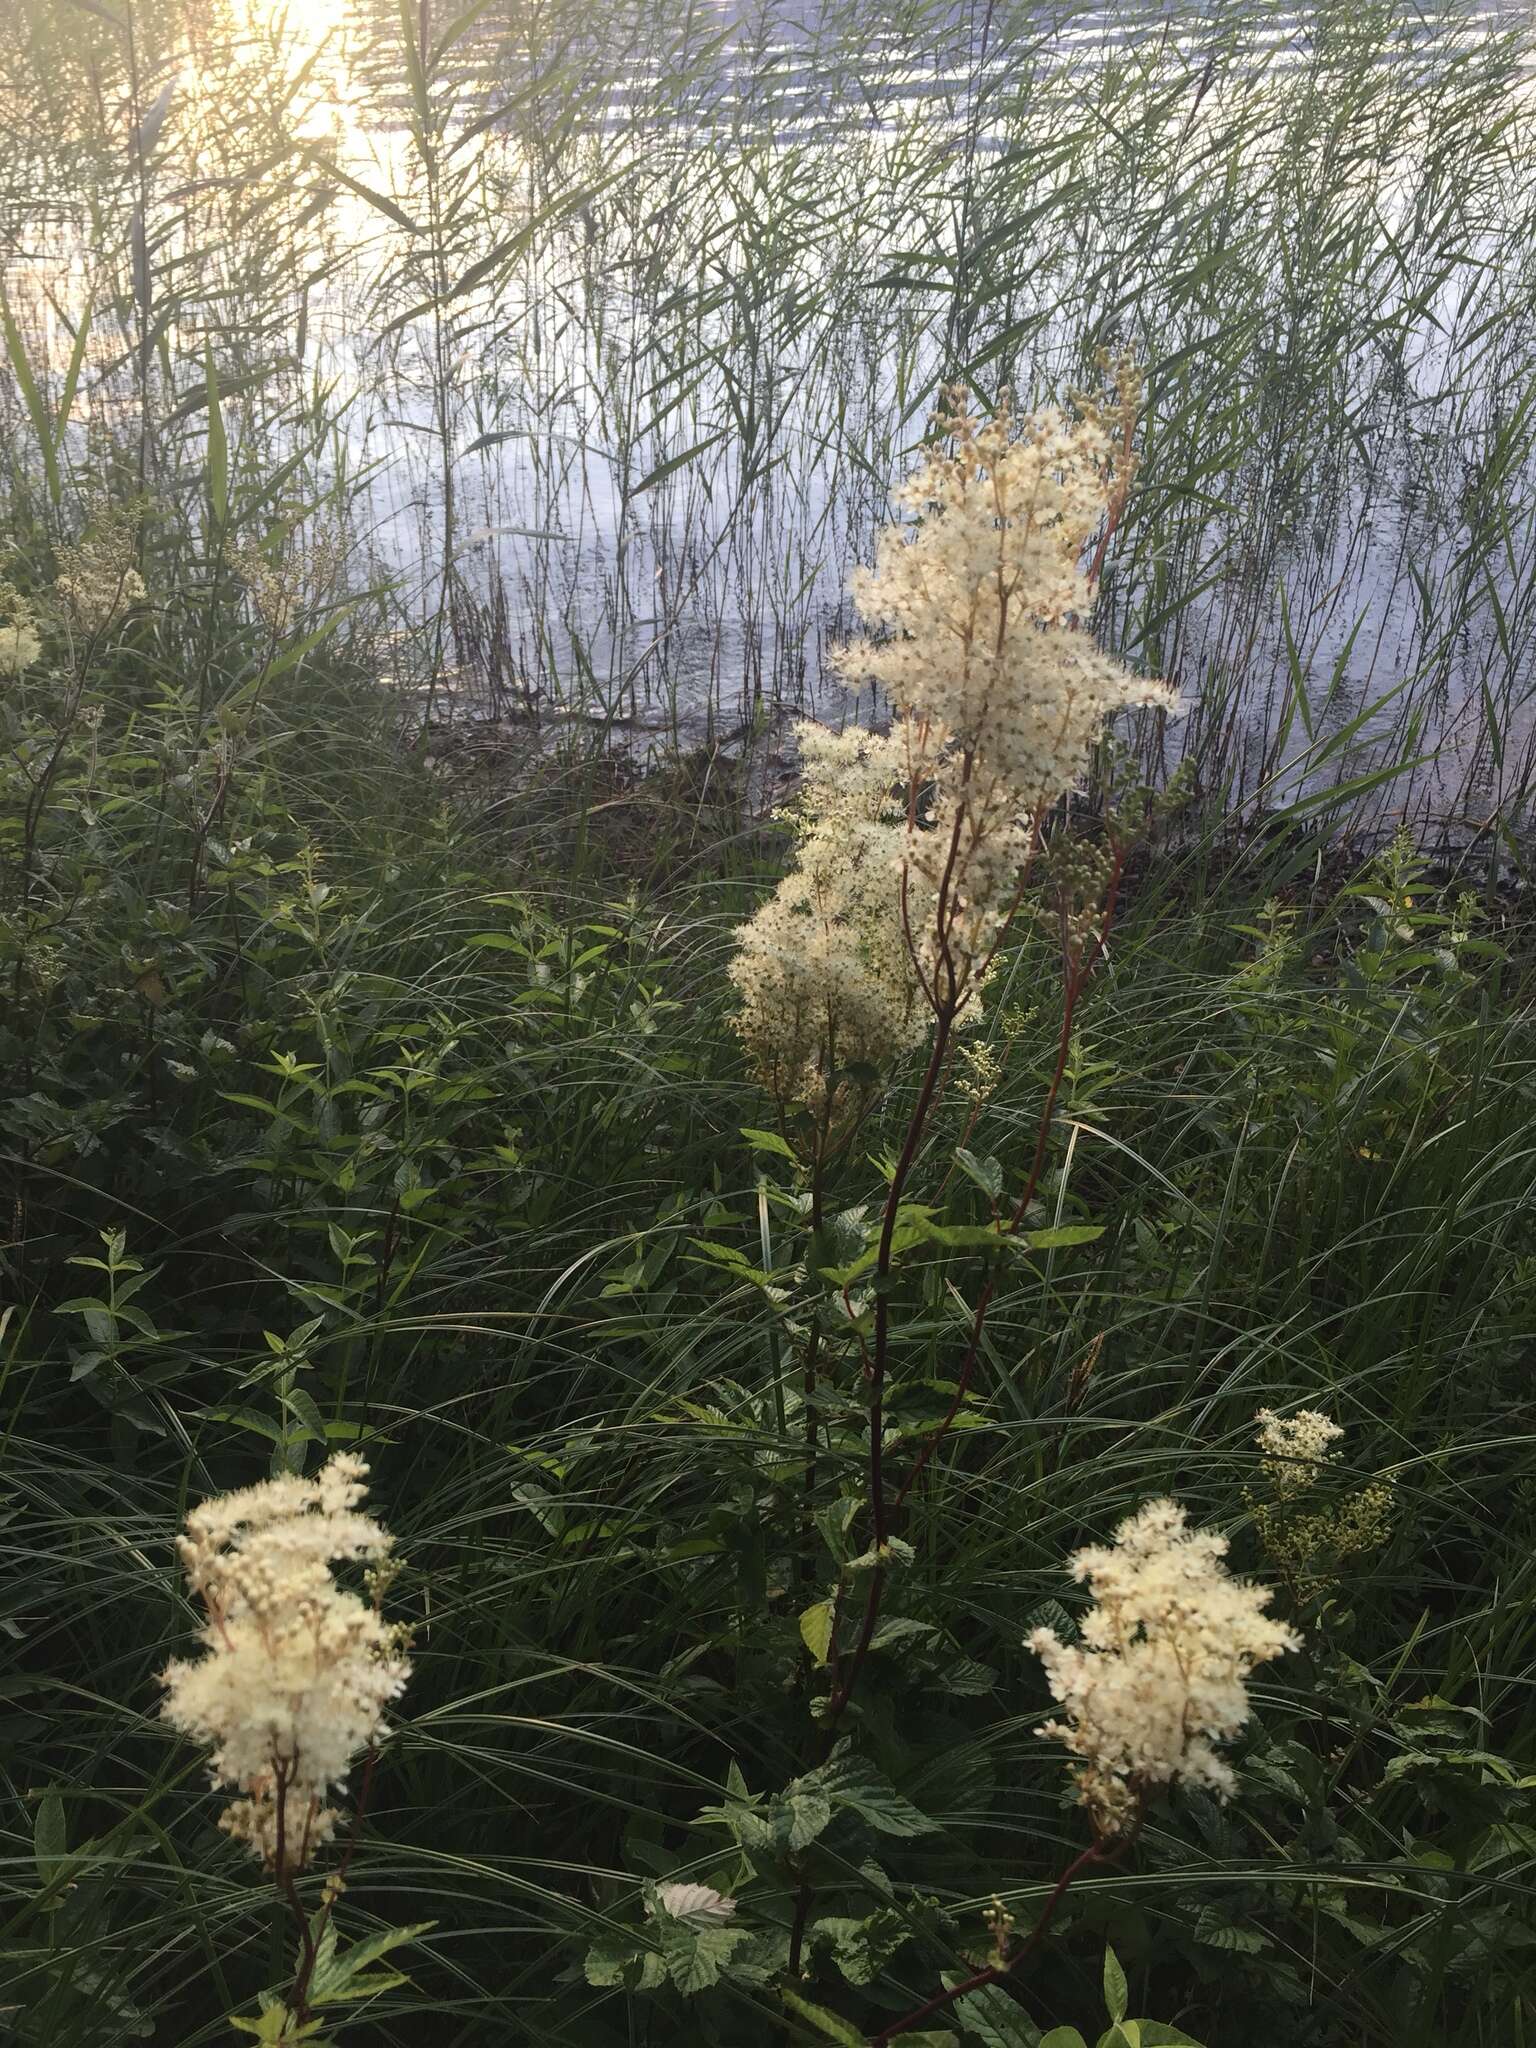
x=602, y=332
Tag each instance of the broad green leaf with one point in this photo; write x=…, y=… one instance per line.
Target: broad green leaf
x=1214, y=1928
x=996, y=2020
x=808, y=1813
x=340, y=1978
x=986, y=1173
x=862, y=1949
x=615, y=1960
x=853, y=1783
x=769, y=1141
x=816, y=1630
x=695, y=1955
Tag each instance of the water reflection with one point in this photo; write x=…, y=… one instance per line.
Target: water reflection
x=604, y=331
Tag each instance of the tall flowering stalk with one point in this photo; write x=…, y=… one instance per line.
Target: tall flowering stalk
x=297, y=1671
x=914, y=851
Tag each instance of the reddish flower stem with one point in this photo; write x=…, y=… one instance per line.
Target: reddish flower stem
x=992, y=1973
x=1076, y=978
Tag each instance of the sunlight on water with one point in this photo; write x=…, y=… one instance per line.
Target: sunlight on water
x=609, y=361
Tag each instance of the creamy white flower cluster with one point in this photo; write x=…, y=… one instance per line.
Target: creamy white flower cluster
x=913, y=848
x=297, y=1671
x=1159, y=1675
x=1294, y=1446
x=20, y=643
x=1308, y=1536
x=822, y=968
x=1000, y=688
x=97, y=580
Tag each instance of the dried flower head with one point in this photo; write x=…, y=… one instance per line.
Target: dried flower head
x=1308, y=1539
x=1160, y=1674
x=297, y=1671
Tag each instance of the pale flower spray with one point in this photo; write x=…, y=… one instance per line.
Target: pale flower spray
x=296, y=1671
x=20, y=643
x=913, y=849
x=1308, y=1523
x=1160, y=1674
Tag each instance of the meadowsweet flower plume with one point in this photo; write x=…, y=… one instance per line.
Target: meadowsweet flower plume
x=822, y=969
x=20, y=643
x=983, y=597
x=1159, y=1675
x=97, y=580
x=288, y=577
x=1294, y=1446
x=912, y=849
x=296, y=1671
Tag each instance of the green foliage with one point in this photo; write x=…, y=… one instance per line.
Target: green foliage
x=455, y=1172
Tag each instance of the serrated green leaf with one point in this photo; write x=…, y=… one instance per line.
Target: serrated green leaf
x=612, y=1961
x=808, y=1813
x=816, y=1631
x=996, y=2020
x=862, y=1949
x=341, y=1978
x=1214, y=1928
x=986, y=1173
x=695, y=1954
x=770, y=1141
x=853, y=1783
x=1116, y=1993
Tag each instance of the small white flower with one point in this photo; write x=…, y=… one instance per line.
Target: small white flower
x=1295, y=1446
x=693, y=1902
